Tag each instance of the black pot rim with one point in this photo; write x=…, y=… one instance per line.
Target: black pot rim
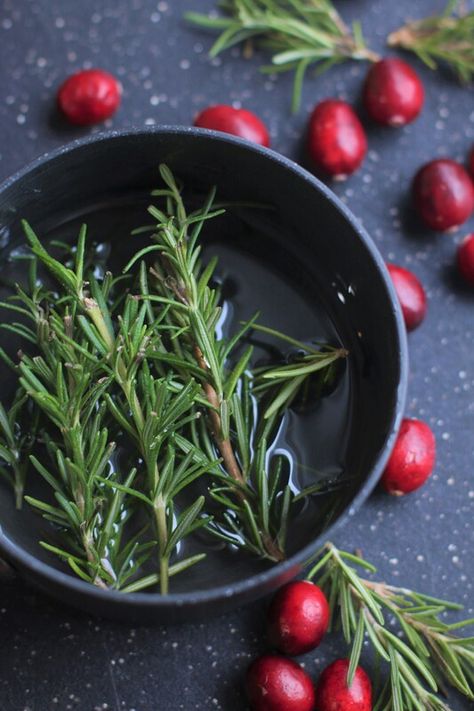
x=35, y=567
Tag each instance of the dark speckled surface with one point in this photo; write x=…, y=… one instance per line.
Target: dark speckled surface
x=51, y=658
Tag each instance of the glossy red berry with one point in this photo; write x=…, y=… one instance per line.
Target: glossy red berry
x=465, y=259
x=336, y=139
x=298, y=617
x=274, y=683
x=411, y=295
x=333, y=694
x=90, y=96
x=393, y=92
x=443, y=194
x=238, y=122
x=412, y=459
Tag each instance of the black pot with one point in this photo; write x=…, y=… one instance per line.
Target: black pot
x=313, y=256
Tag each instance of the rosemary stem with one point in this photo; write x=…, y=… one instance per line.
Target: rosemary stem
x=162, y=531
x=224, y=445
x=91, y=558
x=273, y=550
x=19, y=491
x=226, y=450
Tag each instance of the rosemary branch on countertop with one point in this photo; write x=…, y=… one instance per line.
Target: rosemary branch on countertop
x=134, y=398
x=404, y=628
x=298, y=33
x=447, y=38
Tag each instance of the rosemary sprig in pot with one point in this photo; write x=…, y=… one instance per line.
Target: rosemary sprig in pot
x=139, y=375
x=447, y=38
x=299, y=33
x=424, y=652
x=72, y=383
x=252, y=497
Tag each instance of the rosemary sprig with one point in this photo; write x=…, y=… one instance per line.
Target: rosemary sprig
x=254, y=501
x=62, y=382
x=157, y=410
x=447, y=38
x=299, y=33
x=423, y=653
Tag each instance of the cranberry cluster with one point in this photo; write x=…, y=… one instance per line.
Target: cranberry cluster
x=297, y=620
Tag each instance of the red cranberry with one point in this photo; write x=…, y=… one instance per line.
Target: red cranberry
x=411, y=295
x=274, y=683
x=444, y=194
x=336, y=140
x=471, y=162
x=90, y=96
x=465, y=258
x=239, y=122
x=412, y=459
x=298, y=617
x=393, y=92
x=333, y=694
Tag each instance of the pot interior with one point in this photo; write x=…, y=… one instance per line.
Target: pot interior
x=293, y=256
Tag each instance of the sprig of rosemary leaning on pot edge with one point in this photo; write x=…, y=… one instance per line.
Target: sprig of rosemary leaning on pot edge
x=404, y=629
x=142, y=371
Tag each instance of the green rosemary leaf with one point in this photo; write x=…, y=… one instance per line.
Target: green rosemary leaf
x=408, y=653
x=79, y=571
x=461, y=624
x=186, y=521
x=54, y=484
x=397, y=699
x=80, y=251
x=126, y=490
x=19, y=330
x=65, y=276
x=139, y=256
x=356, y=648
x=60, y=552
x=237, y=372
x=139, y=585
x=358, y=561
x=92, y=335
x=285, y=396
x=285, y=338
x=43, y=506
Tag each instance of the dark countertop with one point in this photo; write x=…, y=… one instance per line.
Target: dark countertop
x=52, y=658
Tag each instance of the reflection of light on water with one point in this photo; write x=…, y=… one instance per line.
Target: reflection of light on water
x=21, y=252
x=280, y=448
x=224, y=317
x=4, y=236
